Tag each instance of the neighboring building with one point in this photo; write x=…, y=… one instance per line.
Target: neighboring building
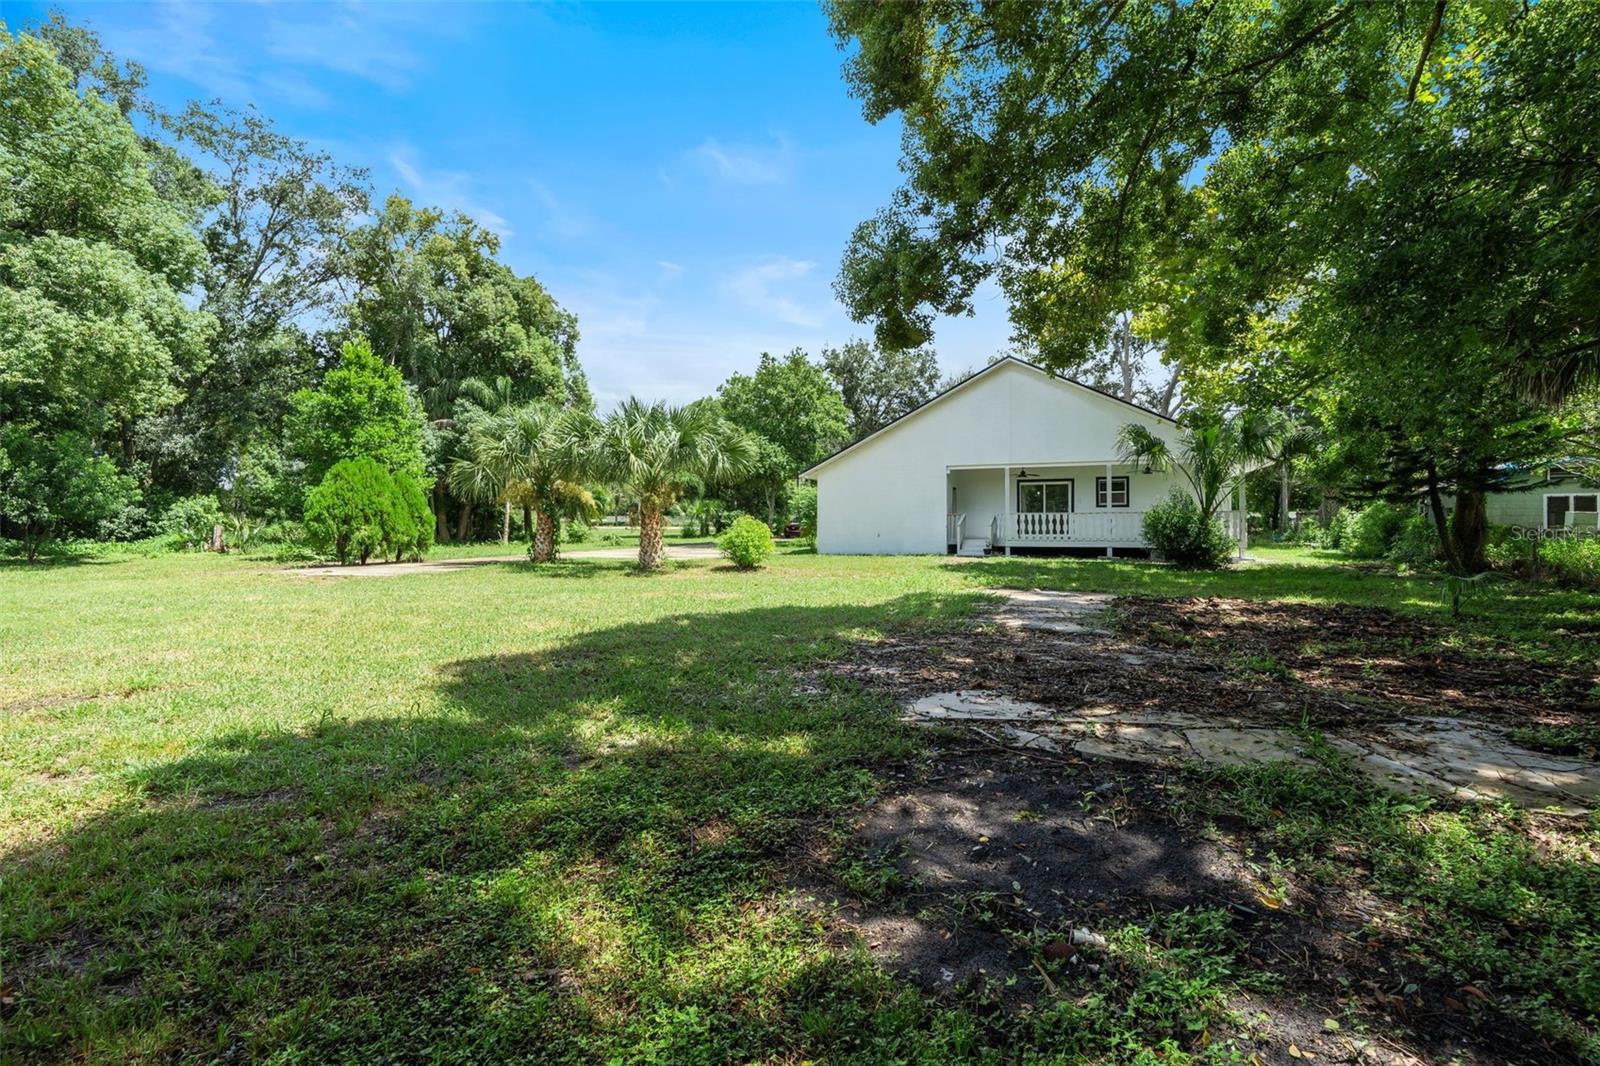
x=1011, y=459
x=1552, y=500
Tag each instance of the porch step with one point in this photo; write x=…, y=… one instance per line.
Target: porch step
x=973, y=546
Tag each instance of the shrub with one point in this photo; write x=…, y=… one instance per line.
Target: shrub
x=1176, y=528
x=748, y=542
x=130, y=521
x=1337, y=530
x=576, y=532
x=191, y=520
x=803, y=506
x=1417, y=542
x=1373, y=530
x=354, y=510
x=1571, y=561
x=413, y=532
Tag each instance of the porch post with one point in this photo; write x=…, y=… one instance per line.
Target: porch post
x=1005, y=506
x=1109, y=554
x=1244, y=520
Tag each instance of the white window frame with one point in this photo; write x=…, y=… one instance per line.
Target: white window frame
x=1571, y=498
x=1105, y=496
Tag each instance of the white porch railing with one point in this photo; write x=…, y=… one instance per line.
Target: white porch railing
x=1115, y=528
x=953, y=527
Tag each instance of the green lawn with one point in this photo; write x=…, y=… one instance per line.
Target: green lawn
x=508, y=812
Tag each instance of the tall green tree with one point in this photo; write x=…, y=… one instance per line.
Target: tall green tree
x=1310, y=192
x=878, y=385
x=432, y=297
x=656, y=453
x=95, y=334
x=798, y=417
x=274, y=234
x=361, y=409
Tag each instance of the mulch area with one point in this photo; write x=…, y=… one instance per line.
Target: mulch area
x=1263, y=662
x=1365, y=655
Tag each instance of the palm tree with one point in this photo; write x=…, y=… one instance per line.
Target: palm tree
x=1284, y=441
x=655, y=453
x=1212, y=452
x=536, y=452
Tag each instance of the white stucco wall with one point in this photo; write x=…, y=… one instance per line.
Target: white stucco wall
x=890, y=494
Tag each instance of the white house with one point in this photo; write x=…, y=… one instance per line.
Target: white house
x=1013, y=458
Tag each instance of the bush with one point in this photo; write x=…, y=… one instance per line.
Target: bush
x=191, y=520
x=413, y=533
x=803, y=507
x=577, y=532
x=1417, y=542
x=1176, y=528
x=1337, y=531
x=1571, y=561
x=130, y=521
x=748, y=542
x=355, y=511
x=1373, y=530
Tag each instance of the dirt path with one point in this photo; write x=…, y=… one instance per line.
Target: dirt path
x=441, y=566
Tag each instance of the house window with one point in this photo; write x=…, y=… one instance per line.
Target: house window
x=1044, y=497
x=1564, y=509
x=1119, y=492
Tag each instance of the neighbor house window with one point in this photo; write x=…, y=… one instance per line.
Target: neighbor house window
x=1563, y=509
x=1119, y=492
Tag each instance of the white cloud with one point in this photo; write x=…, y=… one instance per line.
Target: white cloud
x=669, y=269
x=447, y=189
x=272, y=53
x=744, y=164
x=758, y=287
x=561, y=219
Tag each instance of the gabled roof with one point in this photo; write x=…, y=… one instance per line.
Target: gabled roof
x=969, y=379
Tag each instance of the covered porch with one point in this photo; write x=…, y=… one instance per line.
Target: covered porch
x=1060, y=505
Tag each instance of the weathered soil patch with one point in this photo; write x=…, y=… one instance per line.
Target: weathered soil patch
x=1048, y=807
x=983, y=870
x=1044, y=671
x=1361, y=659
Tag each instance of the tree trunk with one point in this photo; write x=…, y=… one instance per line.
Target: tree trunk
x=1436, y=506
x=441, y=526
x=544, y=539
x=505, y=525
x=1469, y=527
x=651, y=552
x=527, y=523
x=464, y=526
x=1283, y=499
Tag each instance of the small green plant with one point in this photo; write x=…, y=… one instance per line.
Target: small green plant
x=748, y=542
x=191, y=520
x=576, y=532
x=1184, y=535
x=803, y=509
x=1266, y=666
x=1337, y=531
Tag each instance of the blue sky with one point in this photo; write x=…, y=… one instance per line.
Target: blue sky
x=683, y=177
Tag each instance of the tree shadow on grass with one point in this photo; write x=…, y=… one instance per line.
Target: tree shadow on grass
x=571, y=855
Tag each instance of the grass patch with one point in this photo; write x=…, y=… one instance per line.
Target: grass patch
x=458, y=816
